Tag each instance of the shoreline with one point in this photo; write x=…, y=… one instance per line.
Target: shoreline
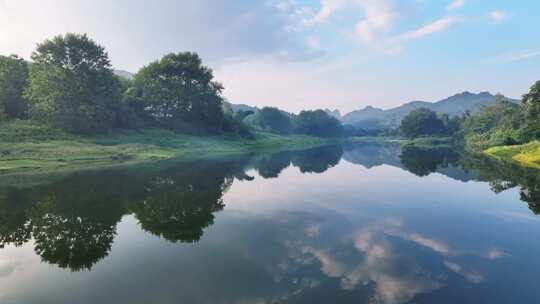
x=527, y=155
x=36, y=154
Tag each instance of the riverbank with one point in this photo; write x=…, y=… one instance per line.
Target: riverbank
x=527, y=155
x=27, y=147
x=420, y=141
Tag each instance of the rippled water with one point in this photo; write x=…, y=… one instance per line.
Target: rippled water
x=360, y=223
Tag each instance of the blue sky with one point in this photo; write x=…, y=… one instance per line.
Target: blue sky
x=299, y=54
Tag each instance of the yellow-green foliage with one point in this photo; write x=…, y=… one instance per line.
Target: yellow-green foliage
x=31, y=147
x=495, y=125
x=527, y=154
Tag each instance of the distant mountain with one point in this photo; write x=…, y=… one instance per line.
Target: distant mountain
x=334, y=113
x=124, y=74
x=374, y=118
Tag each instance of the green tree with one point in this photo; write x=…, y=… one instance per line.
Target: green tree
x=531, y=101
x=317, y=123
x=422, y=122
x=179, y=93
x=13, y=80
x=72, y=85
x=274, y=120
x=498, y=123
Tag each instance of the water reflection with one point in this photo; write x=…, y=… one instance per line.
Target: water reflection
x=73, y=221
x=381, y=253
x=422, y=162
x=503, y=176
x=455, y=164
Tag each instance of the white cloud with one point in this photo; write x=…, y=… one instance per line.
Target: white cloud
x=455, y=4
x=285, y=5
x=498, y=16
x=452, y=266
x=380, y=16
x=329, y=265
x=313, y=42
x=431, y=243
x=380, y=20
x=470, y=275
x=494, y=254
x=379, y=266
x=515, y=56
x=432, y=28
x=328, y=8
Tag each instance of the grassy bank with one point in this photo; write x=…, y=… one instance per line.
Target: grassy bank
x=527, y=155
x=421, y=141
x=27, y=147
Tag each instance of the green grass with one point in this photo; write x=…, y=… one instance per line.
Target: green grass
x=27, y=147
x=421, y=141
x=527, y=155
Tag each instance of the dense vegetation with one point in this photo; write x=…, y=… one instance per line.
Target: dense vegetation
x=497, y=124
x=178, y=92
x=502, y=122
x=70, y=85
x=274, y=120
x=13, y=80
x=423, y=122
x=315, y=123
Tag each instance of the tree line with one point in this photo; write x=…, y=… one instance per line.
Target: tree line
x=502, y=122
x=70, y=84
x=315, y=123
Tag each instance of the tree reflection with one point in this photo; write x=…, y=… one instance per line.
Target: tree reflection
x=502, y=176
x=270, y=166
x=317, y=160
x=15, y=227
x=178, y=206
x=424, y=161
x=73, y=241
x=73, y=221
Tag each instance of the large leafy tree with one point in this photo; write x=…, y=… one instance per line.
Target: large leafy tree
x=179, y=92
x=498, y=123
x=72, y=85
x=422, y=122
x=531, y=101
x=317, y=123
x=274, y=120
x=13, y=80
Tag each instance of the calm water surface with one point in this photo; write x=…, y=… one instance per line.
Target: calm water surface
x=360, y=223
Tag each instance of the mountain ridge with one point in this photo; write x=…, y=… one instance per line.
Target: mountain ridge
x=458, y=104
